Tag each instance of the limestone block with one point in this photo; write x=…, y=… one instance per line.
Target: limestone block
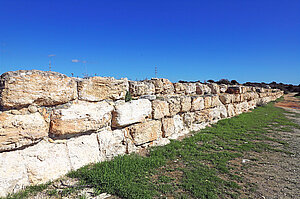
x=215, y=89
x=215, y=101
x=21, y=130
x=230, y=110
x=179, y=88
x=185, y=103
x=160, y=109
x=234, y=90
x=188, y=118
x=145, y=132
x=218, y=112
x=13, y=174
x=46, y=161
x=197, y=103
x=81, y=117
x=111, y=144
x=190, y=88
x=226, y=98
x=126, y=113
x=99, y=88
x=138, y=88
x=33, y=87
x=83, y=150
x=179, y=128
x=202, y=116
x=162, y=86
x=168, y=127
x=174, y=105
x=202, y=89
x=223, y=88
x=207, y=102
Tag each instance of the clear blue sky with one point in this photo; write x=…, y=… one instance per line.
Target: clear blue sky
x=246, y=40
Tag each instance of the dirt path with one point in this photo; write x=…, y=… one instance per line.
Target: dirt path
x=277, y=174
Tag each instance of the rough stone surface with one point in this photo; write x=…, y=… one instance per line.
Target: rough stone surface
x=21, y=130
x=202, y=89
x=188, y=118
x=162, y=86
x=83, y=150
x=207, y=102
x=81, y=117
x=197, y=103
x=46, y=161
x=160, y=109
x=99, y=88
x=13, y=174
x=185, y=103
x=126, y=113
x=168, y=127
x=174, y=105
x=202, y=116
x=215, y=101
x=218, y=112
x=145, y=132
x=215, y=89
x=138, y=88
x=32, y=87
x=190, y=88
x=179, y=88
x=226, y=98
x=111, y=144
x=230, y=110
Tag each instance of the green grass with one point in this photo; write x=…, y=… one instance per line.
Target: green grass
x=200, y=161
x=196, y=167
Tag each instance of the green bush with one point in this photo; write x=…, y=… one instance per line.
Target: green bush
x=128, y=97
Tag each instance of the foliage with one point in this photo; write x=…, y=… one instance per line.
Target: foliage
x=128, y=97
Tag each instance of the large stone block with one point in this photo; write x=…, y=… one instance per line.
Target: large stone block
x=160, y=109
x=81, y=117
x=145, y=132
x=202, y=116
x=179, y=88
x=218, y=112
x=207, y=102
x=100, y=88
x=174, y=105
x=185, y=103
x=215, y=101
x=131, y=112
x=13, y=173
x=46, y=161
x=168, y=127
x=230, y=110
x=190, y=88
x=197, y=103
x=162, y=86
x=21, y=130
x=111, y=144
x=226, y=98
x=32, y=87
x=202, y=89
x=138, y=88
x=215, y=89
x=83, y=150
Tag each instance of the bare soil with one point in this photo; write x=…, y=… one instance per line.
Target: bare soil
x=275, y=174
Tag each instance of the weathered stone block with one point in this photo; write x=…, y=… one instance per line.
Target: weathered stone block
x=111, y=144
x=202, y=89
x=197, y=103
x=46, y=161
x=168, y=127
x=230, y=110
x=138, y=88
x=100, y=88
x=83, y=150
x=32, y=87
x=207, y=102
x=81, y=117
x=13, y=173
x=226, y=98
x=162, y=86
x=179, y=88
x=160, y=109
x=174, y=105
x=145, y=132
x=126, y=113
x=215, y=101
x=215, y=89
x=21, y=130
x=185, y=103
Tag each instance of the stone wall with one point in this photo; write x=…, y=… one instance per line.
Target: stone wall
x=52, y=124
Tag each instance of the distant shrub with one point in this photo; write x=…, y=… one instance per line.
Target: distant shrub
x=234, y=82
x=223, y=81
x=128, y=97
x=211, y=81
